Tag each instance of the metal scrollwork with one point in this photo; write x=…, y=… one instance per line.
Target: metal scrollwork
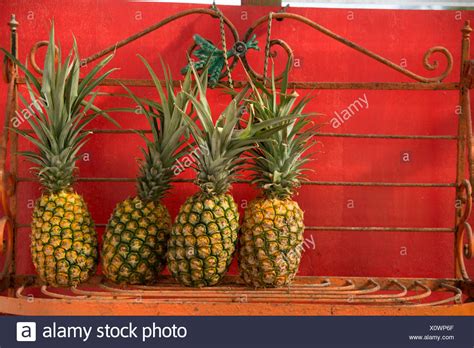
x=212, y=12
x=240, y=48
x=435, y=63
x=429, y=65
x=239, y=51
x=464, y=250
x=32, y=55
x=274, y=42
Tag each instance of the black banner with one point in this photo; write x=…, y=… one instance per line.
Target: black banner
x=291, y=332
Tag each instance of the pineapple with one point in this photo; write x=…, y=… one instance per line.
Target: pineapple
x=271, y=239
x=136, y=235
x=204, y=235
x=63, y=239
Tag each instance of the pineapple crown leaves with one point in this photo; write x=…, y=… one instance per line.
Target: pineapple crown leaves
x=278, y=164
x=60, y=108
x=222, y=143
x=169, y=134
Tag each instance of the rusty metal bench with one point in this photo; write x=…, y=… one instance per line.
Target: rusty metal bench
x=308, y=295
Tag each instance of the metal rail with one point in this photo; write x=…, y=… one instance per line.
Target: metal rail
x=367, y=291
x=318, y=134
x=340, y=228
x=382, y=86
x=304, y=183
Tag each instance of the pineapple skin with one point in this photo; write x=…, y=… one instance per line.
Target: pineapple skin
x=63, y=239
x=271, y=242
x=134, y=246
x=203, y=239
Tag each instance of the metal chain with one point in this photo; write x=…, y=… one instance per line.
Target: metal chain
x=267, y=47
x=224, y=47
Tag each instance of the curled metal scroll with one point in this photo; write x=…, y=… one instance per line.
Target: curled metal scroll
x=428, y=62
x=32, y=55
x=274, y=42
x=210, y=12
x=464, y=250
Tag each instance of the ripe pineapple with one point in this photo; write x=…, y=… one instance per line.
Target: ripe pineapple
x=64, y=242
x=272, y=231
x=204, y=234
x=135, y=240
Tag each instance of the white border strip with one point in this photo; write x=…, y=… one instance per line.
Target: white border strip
x=355, y=4
x=400, y=5
x=202, y=2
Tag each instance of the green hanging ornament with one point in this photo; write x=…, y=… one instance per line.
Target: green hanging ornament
x=213, y=57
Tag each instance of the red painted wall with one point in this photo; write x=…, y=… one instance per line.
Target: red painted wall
x=402, y=36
